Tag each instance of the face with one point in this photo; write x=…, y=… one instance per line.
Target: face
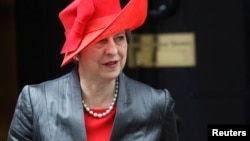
x=105, y=59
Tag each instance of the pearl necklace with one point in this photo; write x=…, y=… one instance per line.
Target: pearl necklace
x=109, y=109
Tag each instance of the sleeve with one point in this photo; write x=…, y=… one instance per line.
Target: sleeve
x=169, y=132
x=21, y=124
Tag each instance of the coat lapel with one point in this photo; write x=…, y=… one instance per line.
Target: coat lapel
x=77, y=118
x=122, y=110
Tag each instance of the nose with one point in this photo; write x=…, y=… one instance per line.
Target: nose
x=111, y=48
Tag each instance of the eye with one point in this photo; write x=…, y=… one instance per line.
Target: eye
x=100, y=43
x=120, y=38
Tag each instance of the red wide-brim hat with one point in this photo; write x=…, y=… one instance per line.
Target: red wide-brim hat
x=88, y=21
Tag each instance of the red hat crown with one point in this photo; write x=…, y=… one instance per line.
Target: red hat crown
x=76, y=16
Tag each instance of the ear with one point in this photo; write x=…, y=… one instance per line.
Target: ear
x=76, y=58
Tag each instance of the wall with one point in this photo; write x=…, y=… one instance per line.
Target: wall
x=8, y=72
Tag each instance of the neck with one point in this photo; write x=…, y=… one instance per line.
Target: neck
x=97, y=94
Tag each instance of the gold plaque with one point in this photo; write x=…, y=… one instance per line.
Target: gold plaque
x=175, y=50
x=162, y=50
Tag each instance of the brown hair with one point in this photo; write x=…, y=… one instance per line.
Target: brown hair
x=128, y=36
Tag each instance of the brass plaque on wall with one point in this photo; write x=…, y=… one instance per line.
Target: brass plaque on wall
x=162, y=50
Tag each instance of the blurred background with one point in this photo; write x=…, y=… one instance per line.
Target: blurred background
x=211, y=89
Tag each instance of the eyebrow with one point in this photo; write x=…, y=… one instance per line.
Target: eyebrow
x=123, y=32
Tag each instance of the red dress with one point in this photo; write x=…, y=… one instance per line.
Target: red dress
x=99, y=129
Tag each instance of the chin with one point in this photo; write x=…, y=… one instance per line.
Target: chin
x=111, y=75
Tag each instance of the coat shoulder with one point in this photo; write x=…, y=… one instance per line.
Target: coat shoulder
x=145, y=92
x=143, y=88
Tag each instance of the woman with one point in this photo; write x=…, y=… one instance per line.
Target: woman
x=95, y=101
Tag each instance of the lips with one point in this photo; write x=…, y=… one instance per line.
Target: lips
x=111, y=64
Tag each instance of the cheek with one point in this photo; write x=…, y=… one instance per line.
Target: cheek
x=86, y=58
x=89, y=54
x=123, y=55
x=123, y=51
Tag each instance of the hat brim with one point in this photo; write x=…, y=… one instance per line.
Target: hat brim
x=130, y=17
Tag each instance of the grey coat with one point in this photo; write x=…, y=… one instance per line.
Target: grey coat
x=53, y=111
